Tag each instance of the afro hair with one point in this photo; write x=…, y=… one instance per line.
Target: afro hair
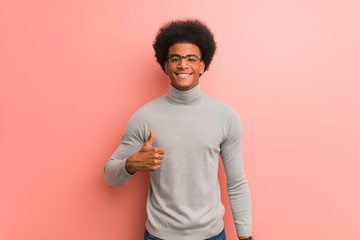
x=185, y=31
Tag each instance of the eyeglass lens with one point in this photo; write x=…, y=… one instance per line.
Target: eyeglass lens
x=191, y=58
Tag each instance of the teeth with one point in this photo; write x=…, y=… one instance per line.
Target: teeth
x=183, y=75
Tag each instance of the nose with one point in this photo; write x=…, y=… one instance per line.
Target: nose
x=183, y=63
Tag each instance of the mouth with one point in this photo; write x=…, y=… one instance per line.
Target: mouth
x=184, y=75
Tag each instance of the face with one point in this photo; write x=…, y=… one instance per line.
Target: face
x=184, y=75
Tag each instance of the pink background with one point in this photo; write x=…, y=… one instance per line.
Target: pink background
x=73, y=72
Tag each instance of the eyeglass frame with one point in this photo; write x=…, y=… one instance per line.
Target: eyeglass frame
x=181, y=57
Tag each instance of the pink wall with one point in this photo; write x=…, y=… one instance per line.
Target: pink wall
x=73, y=72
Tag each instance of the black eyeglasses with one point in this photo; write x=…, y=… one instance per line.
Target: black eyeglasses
x=177, y=58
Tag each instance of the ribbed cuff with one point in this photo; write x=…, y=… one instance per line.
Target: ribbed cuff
x=116, y=174
x=243, y=230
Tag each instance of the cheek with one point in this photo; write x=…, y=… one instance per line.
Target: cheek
x=201, y=70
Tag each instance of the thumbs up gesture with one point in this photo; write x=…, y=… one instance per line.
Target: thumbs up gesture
x=148, y=158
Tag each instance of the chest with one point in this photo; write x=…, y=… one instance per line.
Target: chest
x=189, y=130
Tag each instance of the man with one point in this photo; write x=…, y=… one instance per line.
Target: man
x=179, y=138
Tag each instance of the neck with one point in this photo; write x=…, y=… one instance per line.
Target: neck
x=184, y=97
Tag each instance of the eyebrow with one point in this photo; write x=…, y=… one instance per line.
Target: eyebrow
x=180, y=54
x=190, y=54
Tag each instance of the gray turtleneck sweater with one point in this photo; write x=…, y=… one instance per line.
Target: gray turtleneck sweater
x=183, y=200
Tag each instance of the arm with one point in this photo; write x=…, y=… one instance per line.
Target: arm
x=238, y=190
x=133, y=154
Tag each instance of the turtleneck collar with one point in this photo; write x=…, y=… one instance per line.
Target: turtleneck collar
x=184, y=97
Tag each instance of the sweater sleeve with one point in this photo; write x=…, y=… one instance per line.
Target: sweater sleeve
x=237, y=186
x=132, y=141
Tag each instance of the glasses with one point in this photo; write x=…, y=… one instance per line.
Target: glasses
x=177, y=58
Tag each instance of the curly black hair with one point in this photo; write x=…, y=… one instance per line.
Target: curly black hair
x=185, y=31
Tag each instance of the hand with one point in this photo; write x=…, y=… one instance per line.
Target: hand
x=148, y=158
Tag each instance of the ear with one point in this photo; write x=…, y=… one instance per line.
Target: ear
x=202, y=67
x=166, y=65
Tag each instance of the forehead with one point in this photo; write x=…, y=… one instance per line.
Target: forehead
x=184, y=49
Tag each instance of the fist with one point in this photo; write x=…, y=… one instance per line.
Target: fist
x=148, y=158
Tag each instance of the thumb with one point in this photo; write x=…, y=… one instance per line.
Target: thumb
x=150, y=140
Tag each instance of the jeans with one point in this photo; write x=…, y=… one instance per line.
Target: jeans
x=220, y=236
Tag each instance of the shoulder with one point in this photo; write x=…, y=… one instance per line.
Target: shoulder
x=151, y=106
x=137, y=125
x=144, y=113
x=222, y=108
x=226, y=117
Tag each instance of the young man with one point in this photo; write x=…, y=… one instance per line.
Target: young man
x=179, y=138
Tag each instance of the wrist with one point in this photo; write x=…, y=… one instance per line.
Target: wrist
x=129, y=168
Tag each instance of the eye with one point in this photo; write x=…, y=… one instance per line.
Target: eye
x=191, y=59
x=174, y=59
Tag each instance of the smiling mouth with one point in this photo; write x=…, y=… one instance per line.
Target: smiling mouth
x=183, y=75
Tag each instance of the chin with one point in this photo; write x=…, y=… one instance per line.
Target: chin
x=184, y=87
x=184, y=84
